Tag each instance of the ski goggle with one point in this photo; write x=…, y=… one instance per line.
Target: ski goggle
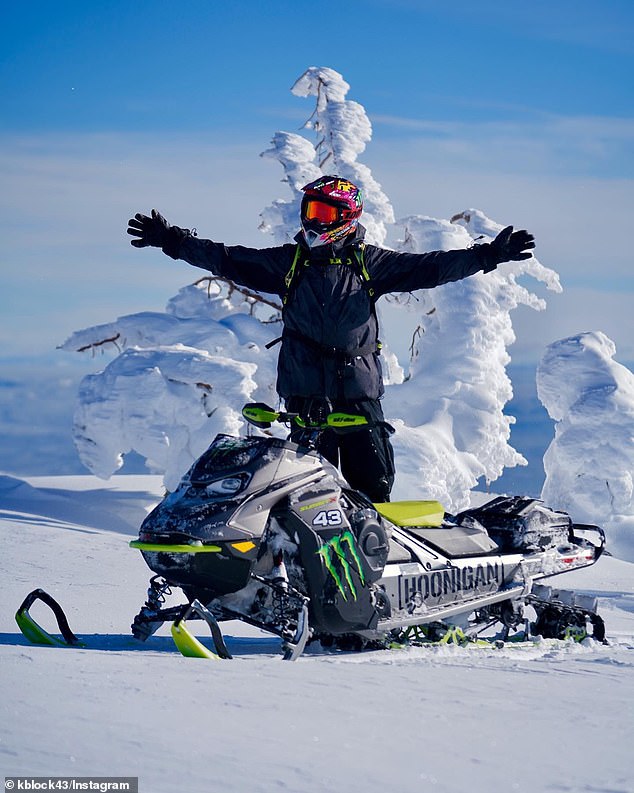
x=324, y=213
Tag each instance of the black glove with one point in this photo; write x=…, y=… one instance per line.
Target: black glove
x=151, y=231
x=156, y=232
x=511, y=246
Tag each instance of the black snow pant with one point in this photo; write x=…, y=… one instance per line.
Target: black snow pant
x=364, y=455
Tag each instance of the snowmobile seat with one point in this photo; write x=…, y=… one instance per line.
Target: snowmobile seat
x=412, y=513
x=456, y=541
x=425, y=521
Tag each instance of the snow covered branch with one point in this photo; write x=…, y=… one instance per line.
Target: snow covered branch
x=253, y=299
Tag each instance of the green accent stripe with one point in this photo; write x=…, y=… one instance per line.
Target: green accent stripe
x=335, y=544
x=154, y=546
x=290, y=275
x=364, y=270
x=324, y=552
x=348, y=537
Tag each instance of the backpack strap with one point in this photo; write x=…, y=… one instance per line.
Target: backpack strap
x=366, y=280
x=290, y=282
x=290, y=279
x=363, y=270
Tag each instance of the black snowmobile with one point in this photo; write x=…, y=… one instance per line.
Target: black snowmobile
x=265, y=531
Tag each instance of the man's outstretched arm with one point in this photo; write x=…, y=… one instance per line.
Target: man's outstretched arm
x=394, y=272
x=260, y=269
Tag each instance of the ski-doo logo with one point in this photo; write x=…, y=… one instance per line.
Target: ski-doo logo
x=341, y=557
x=467, y=580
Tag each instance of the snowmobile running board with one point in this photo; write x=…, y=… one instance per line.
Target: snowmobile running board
x=439, y=614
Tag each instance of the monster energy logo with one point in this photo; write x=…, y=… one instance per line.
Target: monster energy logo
x=341, y=556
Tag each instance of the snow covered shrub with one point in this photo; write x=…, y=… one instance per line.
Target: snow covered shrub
x=180, y=378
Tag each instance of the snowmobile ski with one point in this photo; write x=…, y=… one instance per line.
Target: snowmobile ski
x=188, y=644
x=34, y=632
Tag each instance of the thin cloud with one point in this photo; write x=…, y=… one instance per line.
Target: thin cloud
x=570, y=145
x=66, y=200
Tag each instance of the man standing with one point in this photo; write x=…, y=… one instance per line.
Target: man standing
x=329, y=282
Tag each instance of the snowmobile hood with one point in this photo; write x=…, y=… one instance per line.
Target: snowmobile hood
x=227, y=475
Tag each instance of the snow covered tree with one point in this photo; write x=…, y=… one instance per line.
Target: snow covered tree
x=448, y=413
x=343, y=129
x=590, y=463
x=453, y=431
x=181, y=377
x=297, y=156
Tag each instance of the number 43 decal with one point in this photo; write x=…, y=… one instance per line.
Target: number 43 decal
x=328, y=517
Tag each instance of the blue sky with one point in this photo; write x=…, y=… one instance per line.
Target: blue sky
x=155, y=66
x=524, y=110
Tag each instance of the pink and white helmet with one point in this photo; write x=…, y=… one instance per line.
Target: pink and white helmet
x=331, y=208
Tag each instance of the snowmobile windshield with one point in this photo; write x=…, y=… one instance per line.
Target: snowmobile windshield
x=227, y=455
x=214, y=488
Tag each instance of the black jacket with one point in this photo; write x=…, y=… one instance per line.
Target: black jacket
x=330, y=338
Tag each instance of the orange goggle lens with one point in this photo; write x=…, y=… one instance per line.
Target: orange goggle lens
x=324, y=213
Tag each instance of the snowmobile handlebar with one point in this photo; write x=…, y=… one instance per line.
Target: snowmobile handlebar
x=262, y=416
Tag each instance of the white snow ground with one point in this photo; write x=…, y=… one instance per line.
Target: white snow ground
x=539, y=719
